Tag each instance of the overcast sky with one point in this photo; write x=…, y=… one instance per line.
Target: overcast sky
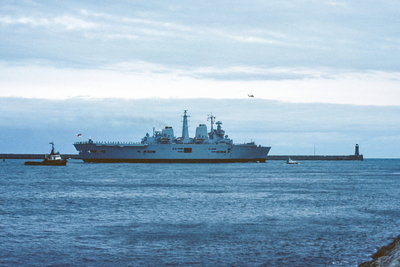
x=298, y=51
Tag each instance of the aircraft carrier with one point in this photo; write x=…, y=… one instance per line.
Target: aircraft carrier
x=163, y=147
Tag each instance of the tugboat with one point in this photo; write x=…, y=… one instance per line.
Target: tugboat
x=54, y=159
x=290, y=161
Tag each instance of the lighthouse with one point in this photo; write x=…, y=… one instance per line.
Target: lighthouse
x=185, y=128
x=357, y=150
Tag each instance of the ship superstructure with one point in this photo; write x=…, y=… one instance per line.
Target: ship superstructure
x=163, y=146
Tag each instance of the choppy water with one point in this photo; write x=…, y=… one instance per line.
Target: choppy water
x=273, y=214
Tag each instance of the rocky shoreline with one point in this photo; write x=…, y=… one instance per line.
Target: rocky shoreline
x=386, y=256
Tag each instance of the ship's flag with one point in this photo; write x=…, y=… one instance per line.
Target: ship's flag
x=79, y=135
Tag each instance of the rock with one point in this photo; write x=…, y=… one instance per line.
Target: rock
x=386, y=256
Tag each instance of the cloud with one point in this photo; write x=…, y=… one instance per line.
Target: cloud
x=112, y=36
x=136, y=26
x=136, y=20
x=137, y=80
x=340, y=4
x=72, y=23
x=66, y=22
x=276, y=51
x=242, y=72
x=110, y=27
x=99, y=34
x=254, y=39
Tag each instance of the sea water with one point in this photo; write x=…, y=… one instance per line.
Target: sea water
x=317, y=213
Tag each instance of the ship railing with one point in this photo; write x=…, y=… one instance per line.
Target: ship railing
x=108, y=143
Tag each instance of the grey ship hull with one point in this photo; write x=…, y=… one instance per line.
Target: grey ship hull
x=170, y=153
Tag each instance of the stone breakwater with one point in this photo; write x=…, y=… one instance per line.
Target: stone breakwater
x=270, y=157
x=386, y=256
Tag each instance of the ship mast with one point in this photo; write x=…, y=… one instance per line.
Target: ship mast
x=185, y=128
x=211, y=118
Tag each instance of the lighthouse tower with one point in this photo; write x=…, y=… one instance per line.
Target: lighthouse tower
x=185, y=129
x=357, y=150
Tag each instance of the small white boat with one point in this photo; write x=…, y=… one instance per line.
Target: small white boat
x=290, y=161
